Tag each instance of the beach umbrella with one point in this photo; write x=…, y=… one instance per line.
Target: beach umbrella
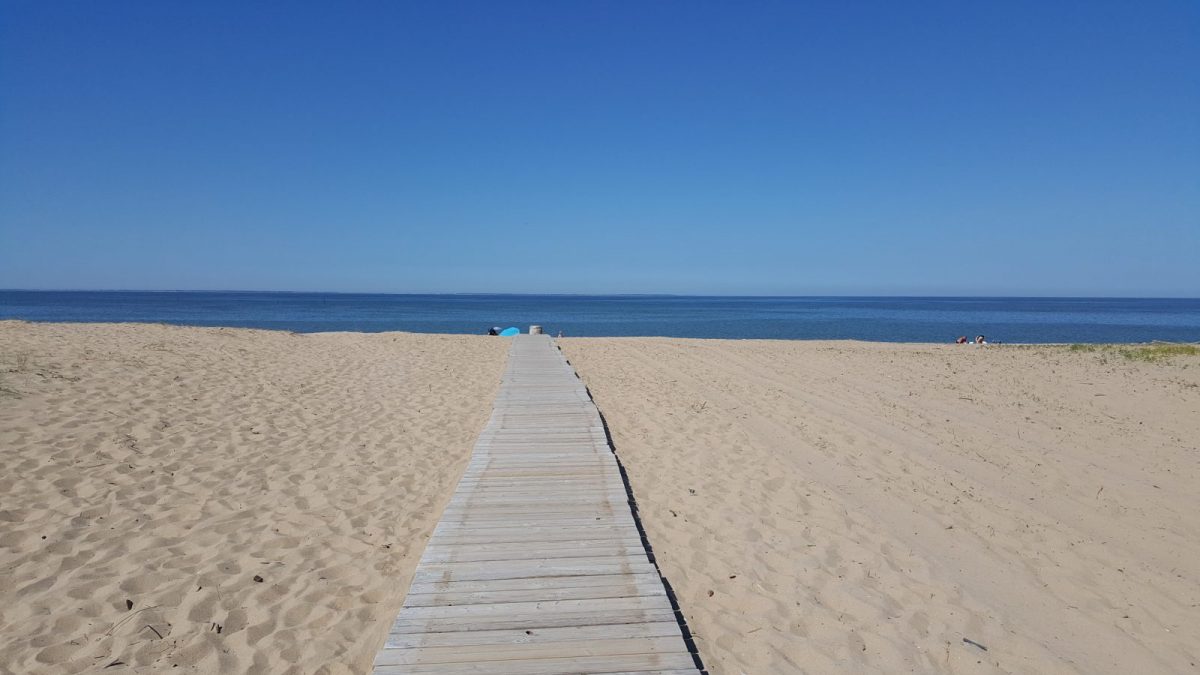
x=510, y=331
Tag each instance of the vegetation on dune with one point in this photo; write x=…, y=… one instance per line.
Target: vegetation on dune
x=1159, y=351
x=1152, y=353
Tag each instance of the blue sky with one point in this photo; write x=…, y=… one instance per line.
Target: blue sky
x=1045, y=148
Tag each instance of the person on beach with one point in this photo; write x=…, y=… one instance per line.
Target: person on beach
x=980, y=340
x=493, y=331
x=962, y=340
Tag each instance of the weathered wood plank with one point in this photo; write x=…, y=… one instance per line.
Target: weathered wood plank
x=577, y=539
x=537, y=565
x=535, y=609
x=531, y=538
x=582, y=527
x=521, y=569
x=613, y=519
x=549, y=666
x=460, y=552
x=539, y=636
x=532, y=583
x=531, y=621
x=623, y=589
x=551, y=495
x=504, y=652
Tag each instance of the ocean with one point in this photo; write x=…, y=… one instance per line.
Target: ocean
x=890, y=319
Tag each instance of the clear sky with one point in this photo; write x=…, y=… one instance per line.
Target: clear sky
x=948, y=148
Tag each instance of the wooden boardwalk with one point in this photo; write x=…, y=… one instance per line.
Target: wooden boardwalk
x=537, y=565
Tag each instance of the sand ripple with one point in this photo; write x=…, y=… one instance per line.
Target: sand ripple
x=851, y=507
x=221, y=500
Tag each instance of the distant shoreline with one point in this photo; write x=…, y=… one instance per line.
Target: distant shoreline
x=167, y=324
x=518, y=294
x=871, y=319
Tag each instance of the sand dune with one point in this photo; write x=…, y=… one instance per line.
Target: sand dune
x=222, y=500
x=852, y=507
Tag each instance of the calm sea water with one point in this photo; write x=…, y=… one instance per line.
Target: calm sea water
x=886, y=319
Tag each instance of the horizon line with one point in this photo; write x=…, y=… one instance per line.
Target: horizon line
x=595, y=294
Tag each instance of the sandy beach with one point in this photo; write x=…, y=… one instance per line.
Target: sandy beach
x=276, y=280
x=864, y=507
x=223, y=500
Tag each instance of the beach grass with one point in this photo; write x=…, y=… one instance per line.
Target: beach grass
x=6, y=390
x=20, y=364
x=1155, y=352
x=1159, y=351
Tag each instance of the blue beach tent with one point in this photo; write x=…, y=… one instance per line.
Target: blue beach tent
x=510, y=331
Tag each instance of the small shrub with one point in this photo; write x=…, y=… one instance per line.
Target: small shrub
x=6, y=391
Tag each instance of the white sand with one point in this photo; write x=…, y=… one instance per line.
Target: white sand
x=169, y=467
x=864, y=507
x=856, y=508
